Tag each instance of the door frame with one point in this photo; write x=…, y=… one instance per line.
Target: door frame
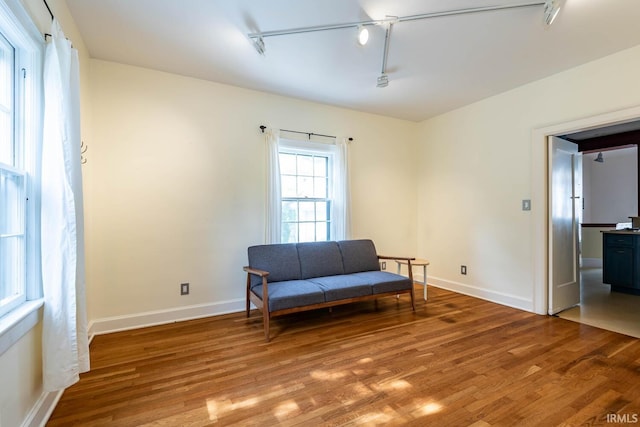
x=539, y=192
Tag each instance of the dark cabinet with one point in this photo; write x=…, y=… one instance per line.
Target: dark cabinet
x=621, y=260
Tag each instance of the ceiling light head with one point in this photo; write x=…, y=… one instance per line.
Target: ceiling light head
x=551, y=9
x=599, y=159
x=383, y=80
x=258, y=43
x=363, y=35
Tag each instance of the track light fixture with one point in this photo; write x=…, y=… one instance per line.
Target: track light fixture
x=599, y=159
x=363, y=35
x=258, y=43
x=551, y=9
x=383, y=80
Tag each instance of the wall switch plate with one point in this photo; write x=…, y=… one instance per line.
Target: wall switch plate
x=463, y=269
x=383, y=265
x=526, y=205
x=184, y=289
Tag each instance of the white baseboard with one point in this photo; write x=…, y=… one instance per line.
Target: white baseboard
x=43, y=409
x=591, y=263
x=474, y=291
x=161, y=317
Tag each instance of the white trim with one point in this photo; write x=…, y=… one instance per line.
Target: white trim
x=482, y=293
x=539, y=210
x=15, y=324
x=42, y=410
x=160, y=317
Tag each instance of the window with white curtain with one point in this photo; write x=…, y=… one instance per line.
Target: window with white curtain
x=20, y=113
x=305, y=176
x=313, y=191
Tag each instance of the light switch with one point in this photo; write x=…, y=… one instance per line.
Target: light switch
x=526, y=205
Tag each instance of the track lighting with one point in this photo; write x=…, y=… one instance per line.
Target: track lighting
x=551, y=9
x=599, y=159
x=258, y=43
x=363, y=35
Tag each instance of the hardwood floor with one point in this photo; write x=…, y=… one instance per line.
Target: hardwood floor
x=456, y=361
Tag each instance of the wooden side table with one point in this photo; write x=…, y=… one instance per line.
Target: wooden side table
x=418, y=262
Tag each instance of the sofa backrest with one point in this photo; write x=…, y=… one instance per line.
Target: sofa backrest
x=319, y=259
x=358, y=255
x=295, y=261
x=280, y=260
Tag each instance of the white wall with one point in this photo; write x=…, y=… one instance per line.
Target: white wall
x=177, y=175
x=478, y=164
x=610, y=188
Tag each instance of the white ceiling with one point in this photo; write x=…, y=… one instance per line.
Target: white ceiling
x=434, y=65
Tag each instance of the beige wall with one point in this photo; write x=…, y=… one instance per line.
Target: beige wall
x=177, y=175
x=478, y=165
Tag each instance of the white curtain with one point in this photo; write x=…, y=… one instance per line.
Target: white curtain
x=341, y=210
x=65, y=341
x=274, y=206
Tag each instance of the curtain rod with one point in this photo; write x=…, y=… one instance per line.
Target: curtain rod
x=49, y=9
x=309, y=134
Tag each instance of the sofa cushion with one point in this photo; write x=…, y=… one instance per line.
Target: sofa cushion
x=358, y=255
x=319, y=259
x=291, y=293
x=383, y=281
x=280, y=260
x=343, y=286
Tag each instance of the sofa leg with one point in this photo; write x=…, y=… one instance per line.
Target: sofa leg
x=265, y=320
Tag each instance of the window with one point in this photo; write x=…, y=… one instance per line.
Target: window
x=20, y=124
x=306, y=203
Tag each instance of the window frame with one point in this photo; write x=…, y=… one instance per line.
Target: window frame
x=316, y=149
x=19, y=30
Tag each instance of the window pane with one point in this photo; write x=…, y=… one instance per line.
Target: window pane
x=307, y=211
x=307, y=232
x=305, y=165
x=289, y=211
x=288, y=184
x=287, y=164
x=305, y=187
x=321, y=211
x=320, y=188
x=320, y=166
x=321, y=231
x=11, y=203
x=289, y=232
x=6, y=102
x=11, y=267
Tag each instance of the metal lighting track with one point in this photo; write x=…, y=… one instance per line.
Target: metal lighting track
x=551, y=9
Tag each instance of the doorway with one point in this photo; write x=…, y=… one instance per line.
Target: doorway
x=539, y=193
x=610, y=197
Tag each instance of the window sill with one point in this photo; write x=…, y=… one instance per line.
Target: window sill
x=18, y=322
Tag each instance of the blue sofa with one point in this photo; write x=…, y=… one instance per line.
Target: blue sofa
x=292, y=277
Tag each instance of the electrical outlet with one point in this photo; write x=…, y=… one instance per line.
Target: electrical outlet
x=383, y=265
x=463, y=269
x=184, y=289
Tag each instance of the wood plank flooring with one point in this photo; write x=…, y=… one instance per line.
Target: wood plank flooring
x=456, y=361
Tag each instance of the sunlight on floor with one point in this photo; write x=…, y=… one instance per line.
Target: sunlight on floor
x=428, y=407
x=286, y=409
x=327, y=376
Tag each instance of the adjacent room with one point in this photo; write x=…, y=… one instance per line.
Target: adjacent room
x=398, y=160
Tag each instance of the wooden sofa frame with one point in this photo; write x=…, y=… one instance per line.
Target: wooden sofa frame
x=263, y=305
